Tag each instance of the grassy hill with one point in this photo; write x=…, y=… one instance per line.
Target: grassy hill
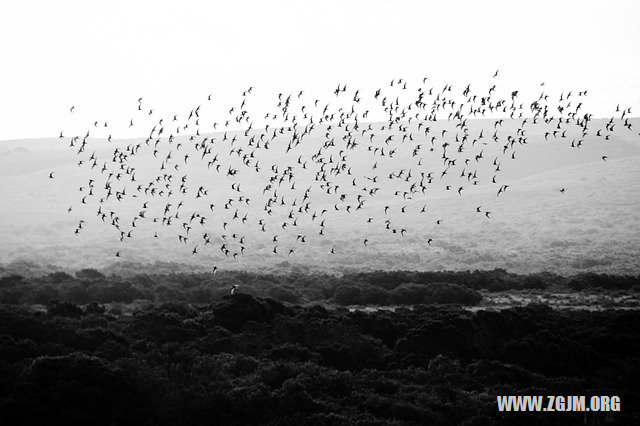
x=532, y=226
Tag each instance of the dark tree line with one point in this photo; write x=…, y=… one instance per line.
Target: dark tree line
x=255, y=360
x=371, y=288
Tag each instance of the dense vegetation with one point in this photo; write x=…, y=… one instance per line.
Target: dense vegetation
x=175, y=348
x=253, y=360
x=20, y=285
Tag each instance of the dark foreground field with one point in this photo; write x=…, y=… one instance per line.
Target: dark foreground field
x=120, y=354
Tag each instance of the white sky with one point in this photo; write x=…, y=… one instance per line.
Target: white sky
x=102, y=55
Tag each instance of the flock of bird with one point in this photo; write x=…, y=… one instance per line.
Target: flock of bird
x=314, y=162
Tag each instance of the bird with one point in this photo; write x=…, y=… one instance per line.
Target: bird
x=234, y=288
x=339, y=158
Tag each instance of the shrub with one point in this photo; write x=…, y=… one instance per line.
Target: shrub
x=451, y=293
x=90, y=274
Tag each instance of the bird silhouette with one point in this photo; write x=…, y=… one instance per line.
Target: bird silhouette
x=314, y=166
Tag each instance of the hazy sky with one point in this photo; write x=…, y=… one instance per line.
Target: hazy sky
x=102, y=55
